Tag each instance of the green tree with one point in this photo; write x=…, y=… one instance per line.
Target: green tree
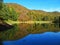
x=8, y=13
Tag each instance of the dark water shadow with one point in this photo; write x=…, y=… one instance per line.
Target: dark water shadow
x=4, y=27
x=1, y=42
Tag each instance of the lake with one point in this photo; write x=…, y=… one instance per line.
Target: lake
x=47, y=38
x=45, y=34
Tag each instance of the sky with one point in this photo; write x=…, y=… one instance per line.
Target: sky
x=46, y=5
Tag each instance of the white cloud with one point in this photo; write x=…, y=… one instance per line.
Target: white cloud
x=52, y=9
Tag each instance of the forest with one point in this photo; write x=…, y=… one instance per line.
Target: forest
x=13, y=15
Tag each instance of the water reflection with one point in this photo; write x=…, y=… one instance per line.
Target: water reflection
x=39, y=28
x=47, y=38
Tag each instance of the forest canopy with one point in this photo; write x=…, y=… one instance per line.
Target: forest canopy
x=8, y=13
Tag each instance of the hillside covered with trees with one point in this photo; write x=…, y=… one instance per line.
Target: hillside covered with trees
x=12, y=12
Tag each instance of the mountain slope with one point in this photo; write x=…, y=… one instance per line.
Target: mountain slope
x=24, y=29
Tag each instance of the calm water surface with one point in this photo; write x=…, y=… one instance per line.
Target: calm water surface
x=47, y=38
